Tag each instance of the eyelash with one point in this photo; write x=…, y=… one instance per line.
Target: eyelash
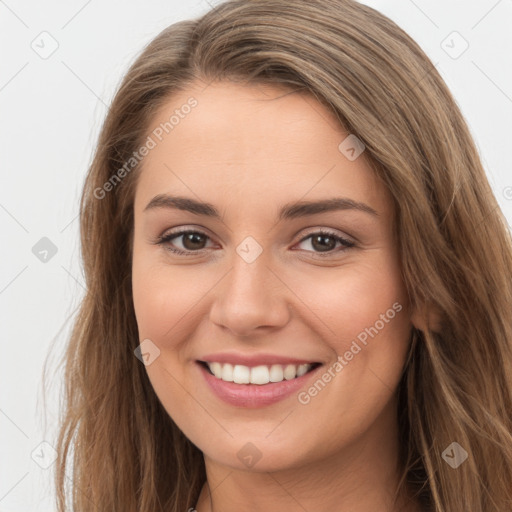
x=167, y=238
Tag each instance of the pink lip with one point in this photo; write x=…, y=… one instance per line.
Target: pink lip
x=251, y=360
x=254, y=395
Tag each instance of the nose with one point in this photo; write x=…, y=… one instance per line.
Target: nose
x=251, y=299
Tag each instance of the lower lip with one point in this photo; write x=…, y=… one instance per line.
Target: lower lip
x=254, y=395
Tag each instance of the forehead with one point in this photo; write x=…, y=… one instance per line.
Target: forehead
x=254, y=144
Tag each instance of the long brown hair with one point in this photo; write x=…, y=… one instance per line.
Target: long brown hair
x=455, y=248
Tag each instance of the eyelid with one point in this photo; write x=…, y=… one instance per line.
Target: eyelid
x=329, y=231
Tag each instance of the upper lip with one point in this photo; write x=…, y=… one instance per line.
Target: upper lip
x=251, y=360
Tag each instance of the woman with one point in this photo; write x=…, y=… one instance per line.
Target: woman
x=298, y=279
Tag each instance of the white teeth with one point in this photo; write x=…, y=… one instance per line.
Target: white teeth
x=241, y=374
x=260, y=375
x=216, y=369
x=276, y=373
x=302, y=369
x=263, y=374
x=290, y=372
x=227, y=372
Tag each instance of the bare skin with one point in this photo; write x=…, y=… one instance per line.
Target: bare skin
x=249, y=150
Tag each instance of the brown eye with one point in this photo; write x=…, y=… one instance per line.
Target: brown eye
x=191, y=242
x=326, y=241
x=323, y=242
x=194, y=242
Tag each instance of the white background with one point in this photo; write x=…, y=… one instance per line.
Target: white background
x=51, y=112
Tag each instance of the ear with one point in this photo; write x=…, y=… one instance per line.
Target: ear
x=427, y=318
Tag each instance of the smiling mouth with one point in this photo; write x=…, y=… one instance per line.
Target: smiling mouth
x=260, y=375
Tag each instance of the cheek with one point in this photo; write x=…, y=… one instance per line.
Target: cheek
x=166, y=297
x=155, y=307
x=364, y=319
x=347, y=300
x=164, y=301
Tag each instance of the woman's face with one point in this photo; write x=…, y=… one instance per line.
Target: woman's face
x=265, y=284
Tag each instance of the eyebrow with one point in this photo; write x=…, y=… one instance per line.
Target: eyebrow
x=288, y=211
